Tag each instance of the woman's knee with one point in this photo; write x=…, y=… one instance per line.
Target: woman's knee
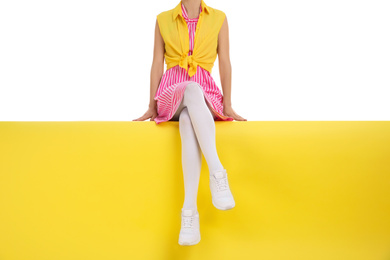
x=193, y=91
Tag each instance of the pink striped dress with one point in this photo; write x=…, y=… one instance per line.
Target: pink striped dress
x=172, y=85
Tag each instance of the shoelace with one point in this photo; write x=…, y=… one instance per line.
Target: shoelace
x=188, y=221
x=222, y=183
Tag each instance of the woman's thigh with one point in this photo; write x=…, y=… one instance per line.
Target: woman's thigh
x=176, y=116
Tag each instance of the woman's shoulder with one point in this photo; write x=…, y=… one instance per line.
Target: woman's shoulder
x=165, y=13
x=215, y=11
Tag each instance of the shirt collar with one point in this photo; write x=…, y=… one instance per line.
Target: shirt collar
x=177, y=9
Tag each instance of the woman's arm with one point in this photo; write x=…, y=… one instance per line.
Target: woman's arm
x=155, y=75
x=225, y=71
x=225, y=68
x=157, y=66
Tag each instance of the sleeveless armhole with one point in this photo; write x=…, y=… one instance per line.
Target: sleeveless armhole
x=159, y=26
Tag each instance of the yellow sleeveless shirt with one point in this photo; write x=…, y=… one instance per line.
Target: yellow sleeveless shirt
x=174, y=31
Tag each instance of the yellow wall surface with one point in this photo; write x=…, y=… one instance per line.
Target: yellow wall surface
x=304, y=190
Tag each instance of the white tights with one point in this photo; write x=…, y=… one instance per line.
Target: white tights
x=197, y=132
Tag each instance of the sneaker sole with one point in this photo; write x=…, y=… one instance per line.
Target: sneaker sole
x=223, y=208
x=189, y=244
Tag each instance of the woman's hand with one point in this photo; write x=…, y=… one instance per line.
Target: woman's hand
x=228, y=111
x=150, y=113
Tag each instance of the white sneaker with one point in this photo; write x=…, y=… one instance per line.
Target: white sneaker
x=222, y=197
x=189, y=232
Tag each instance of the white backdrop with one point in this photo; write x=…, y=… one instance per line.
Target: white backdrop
x=291, y=60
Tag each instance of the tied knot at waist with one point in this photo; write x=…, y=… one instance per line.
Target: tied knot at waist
x=186, y=60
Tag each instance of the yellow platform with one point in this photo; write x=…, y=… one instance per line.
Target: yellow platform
x=304, y=190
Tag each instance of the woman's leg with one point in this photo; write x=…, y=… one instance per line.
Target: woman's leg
x=203, y=124
x=204, y=128
x=197, y=131
x=191, y=160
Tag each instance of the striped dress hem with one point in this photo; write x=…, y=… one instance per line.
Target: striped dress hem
x=169, y=101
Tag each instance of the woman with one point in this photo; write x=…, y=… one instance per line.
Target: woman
x=189, y=37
